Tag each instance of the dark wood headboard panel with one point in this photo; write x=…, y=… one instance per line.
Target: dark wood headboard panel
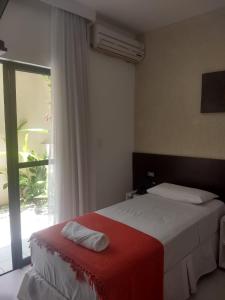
x=202, y=173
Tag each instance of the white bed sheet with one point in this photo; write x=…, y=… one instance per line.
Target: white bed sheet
x=178, y=225
x=181, y=227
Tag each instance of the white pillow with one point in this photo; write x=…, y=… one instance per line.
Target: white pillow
x=182, y=193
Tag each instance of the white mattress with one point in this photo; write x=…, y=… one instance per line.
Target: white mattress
x=179, y=226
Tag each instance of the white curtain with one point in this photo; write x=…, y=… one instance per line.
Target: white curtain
x=69, y=179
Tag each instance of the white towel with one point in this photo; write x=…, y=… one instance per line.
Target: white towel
x=85, y=237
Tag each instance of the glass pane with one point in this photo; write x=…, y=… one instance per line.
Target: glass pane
x=33, y=203
x=33, y=97
x=5, y=237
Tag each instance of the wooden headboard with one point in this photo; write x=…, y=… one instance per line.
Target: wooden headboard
x=202, y=173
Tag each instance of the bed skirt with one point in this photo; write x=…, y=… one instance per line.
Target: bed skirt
x=179, y=282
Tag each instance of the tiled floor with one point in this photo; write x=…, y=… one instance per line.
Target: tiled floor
x=210, y=287
x=10, y=283
x=5, y=257
x=30, y=222
x=5, y=242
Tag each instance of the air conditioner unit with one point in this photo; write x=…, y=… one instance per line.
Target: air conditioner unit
x=116, y=44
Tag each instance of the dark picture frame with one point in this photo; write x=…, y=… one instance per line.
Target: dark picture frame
x=213, y=92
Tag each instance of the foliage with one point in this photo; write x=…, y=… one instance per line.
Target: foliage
x=33, y=182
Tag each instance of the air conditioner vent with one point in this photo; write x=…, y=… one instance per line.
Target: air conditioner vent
x=116, y=44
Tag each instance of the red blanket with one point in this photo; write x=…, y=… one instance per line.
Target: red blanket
x=131, y=268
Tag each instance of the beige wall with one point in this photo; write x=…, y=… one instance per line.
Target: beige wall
x=168, y=93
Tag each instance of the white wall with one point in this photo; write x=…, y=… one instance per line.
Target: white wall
x=112, y=110
x=25, y=30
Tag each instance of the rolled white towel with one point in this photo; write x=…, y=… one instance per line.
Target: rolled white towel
x=85, y=237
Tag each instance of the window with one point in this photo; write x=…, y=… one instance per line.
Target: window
x=27, y=98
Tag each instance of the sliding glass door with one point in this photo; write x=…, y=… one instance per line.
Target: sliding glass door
x=27, y=98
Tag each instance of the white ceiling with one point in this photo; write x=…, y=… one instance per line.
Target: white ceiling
x=144, y=15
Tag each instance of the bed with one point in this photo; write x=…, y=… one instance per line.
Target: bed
x=189, y=234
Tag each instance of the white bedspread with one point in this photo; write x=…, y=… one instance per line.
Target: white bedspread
x=181, y=227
